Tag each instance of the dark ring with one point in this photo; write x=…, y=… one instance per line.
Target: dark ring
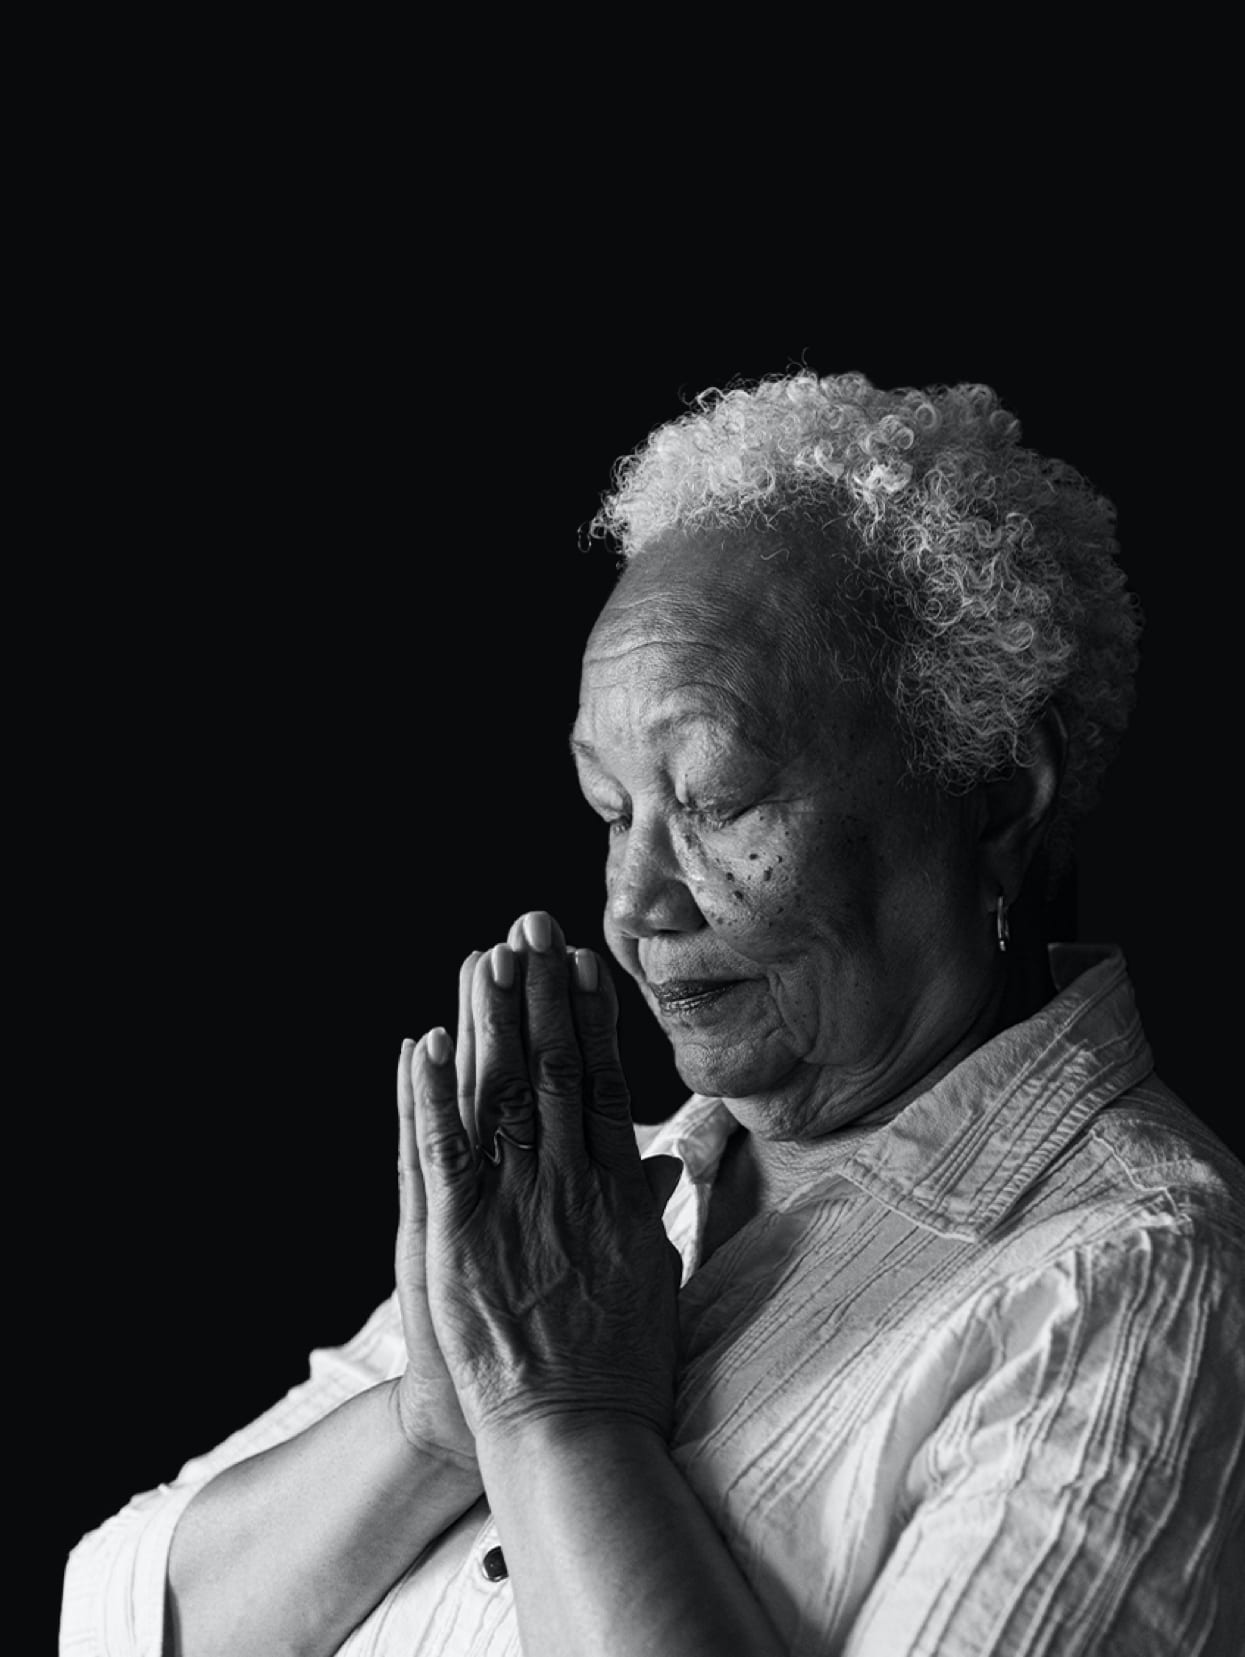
x=494, y=1156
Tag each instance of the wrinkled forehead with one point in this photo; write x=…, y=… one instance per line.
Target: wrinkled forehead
x=739, y=628
x=658, y=684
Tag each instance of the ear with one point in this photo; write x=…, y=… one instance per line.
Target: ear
x=1017, y=809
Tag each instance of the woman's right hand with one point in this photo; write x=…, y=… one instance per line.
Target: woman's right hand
x=427, y=1403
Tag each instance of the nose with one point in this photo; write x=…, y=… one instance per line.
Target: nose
x=647, y=891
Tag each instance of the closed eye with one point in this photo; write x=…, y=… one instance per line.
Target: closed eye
x=617, y=822
x=714, y=818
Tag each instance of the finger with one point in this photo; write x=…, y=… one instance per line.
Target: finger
x=503, y=1089
x=412, y=1204
x=465, y=1049
x=518, y=940
x=609, y=1133
x=555, y=1064
x=446, y=1159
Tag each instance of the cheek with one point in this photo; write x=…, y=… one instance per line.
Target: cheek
x=789, y=885
x=747, y=885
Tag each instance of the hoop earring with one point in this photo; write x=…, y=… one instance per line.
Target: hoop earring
x=1001, y=924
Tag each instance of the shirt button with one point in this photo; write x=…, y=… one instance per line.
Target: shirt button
x=494, y=1565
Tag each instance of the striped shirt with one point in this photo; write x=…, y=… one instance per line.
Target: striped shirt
x=978, y=1387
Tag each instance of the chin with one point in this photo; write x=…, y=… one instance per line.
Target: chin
x=727, y=1075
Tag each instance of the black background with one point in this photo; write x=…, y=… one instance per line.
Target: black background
x=311, y=693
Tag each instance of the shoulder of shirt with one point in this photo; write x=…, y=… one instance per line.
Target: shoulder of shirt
x=1159, y=1145
x=1143, y=1168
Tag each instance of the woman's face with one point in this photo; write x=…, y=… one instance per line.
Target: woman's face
x=804, y=929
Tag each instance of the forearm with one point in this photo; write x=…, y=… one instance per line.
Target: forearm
x=287, y=1552
x=610, y=1551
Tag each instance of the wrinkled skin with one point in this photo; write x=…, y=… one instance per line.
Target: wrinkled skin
x=760, y=837
x=428, y=1404
x=545, y=1276
x=759, y=832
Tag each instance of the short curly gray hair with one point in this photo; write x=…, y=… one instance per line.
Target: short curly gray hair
x=993, y=569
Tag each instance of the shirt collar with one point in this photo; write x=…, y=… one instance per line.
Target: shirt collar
x=958, y=1158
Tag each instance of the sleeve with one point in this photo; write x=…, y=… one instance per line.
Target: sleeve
x=1086, y=1494
x=113, y=1601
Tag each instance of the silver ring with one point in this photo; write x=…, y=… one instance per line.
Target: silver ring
x=494, y=1156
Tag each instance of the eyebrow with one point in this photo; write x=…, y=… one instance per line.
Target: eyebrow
x=584, y=750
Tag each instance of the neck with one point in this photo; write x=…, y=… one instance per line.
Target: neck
x=766, y=1170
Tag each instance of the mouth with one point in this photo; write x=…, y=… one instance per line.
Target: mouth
x=686, y=995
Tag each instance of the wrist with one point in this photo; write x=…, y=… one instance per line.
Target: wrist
x=544, y=1437
x=414, y=1426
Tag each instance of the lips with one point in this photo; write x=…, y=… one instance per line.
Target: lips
x=677, y=995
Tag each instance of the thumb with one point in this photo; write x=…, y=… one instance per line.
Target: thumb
x=663, y=1174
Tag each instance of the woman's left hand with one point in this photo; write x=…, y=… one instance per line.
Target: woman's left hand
x=550, y=1279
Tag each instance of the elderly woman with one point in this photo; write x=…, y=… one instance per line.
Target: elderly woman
x=919, y=1328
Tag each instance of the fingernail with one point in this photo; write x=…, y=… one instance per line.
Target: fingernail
x=538, y=929
x=585, y=969
x=503, y=966
x=439, y=1047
